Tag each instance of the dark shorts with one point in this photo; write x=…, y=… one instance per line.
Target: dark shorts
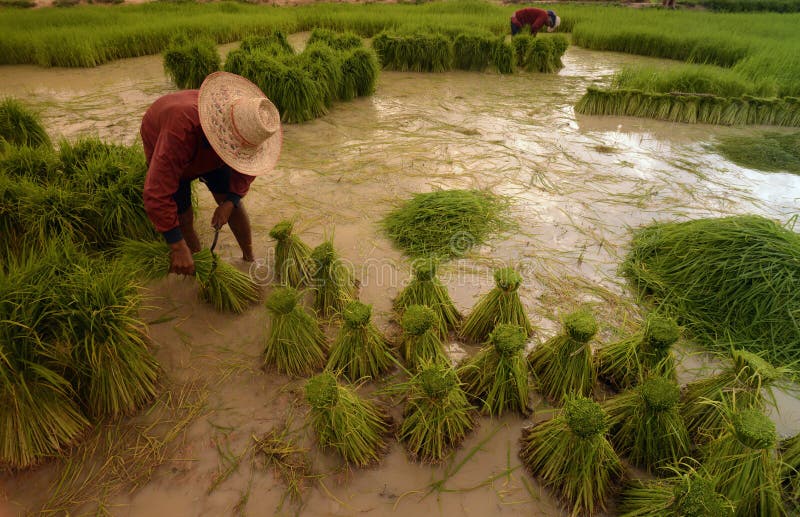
x=515, y=28
x=217, y=181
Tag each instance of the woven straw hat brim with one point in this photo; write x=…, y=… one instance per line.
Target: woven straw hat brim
x=218, y=92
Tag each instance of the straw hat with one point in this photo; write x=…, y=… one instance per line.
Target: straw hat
x=555, y=21
x=240, y=122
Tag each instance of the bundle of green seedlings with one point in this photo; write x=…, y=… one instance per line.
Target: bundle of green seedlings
x=744, y=462
x=497, y=376
x=336, y=40
x=414, y=52
x=437, y=415
x=355, y=428
x=539, y=54
x=333, y=283
x=731, y=280
x=746, y=383
x=292, y=256
x=188, y=62
x=563, y=365
x=767, y=151
x=477, y=51
x=295, y=342
x=625, y=363
x=691, y=494
x=790, y=467
x=500, y=305
x=421, y=342
x=426, y=289
x=359, y=351
x=570, y=455
x=21, y=126
x=646, y=425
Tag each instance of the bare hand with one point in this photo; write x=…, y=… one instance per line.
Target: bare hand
x=222, y=214
x=181, y=261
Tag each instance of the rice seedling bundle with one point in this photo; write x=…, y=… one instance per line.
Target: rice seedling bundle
x=38, y=164
x=790, y=466
x=325, y=67
x=497, y=375
x=767, y=151
x=646, y=425
x=336, y=40
x=333, y=283
x=500, y=305
x=426, y=289
x=414, y=52
x=50, y=211
x=421, y=342
x=359, y=73
x=690, y=494
x=295, y=342
x=299, y=96
x=742, y=385
x=521, y=42
x=21, y=126
x=562, y=365
x=743, y=460
x=571, y=456
x=148, y=260
x=503, y=57
x=540, y=54
x=353, y=427
x=270, y=40
x=188, y=63
x=648, y=352
x=731, y=280
x=474, y=50
x=292, y=256
x=359, y=350
x=437, y=416
x=222, y=285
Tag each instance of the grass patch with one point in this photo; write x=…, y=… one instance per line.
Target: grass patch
x=766, y=151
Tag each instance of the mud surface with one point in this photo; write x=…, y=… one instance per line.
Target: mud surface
x=578, y=184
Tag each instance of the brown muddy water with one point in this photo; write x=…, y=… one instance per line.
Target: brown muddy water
x=578, y=185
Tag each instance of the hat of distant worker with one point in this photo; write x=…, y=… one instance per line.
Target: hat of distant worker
x=555, y=21
x=242, y=125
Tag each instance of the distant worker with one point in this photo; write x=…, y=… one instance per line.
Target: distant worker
x=225, y=134
x=535, y=19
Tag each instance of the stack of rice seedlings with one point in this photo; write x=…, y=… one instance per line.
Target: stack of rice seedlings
x=521, y=43
x=325, y=67
x=295, y=342
x=692, y=494
x=437, y=416
x=647, y=352
x=503, y=57
x=560, y=46
x=473, y=50
x=147, y=260
x=355, y=428
x=54, y=210
x=646, y=425
x=539, y=57
x=790, y=466
x=187, y=63
x=497, y=375
x=744, y=462
x=299, y=95
x=272, y=39
x=21, y=126
x=222, y=285
x=570, y=455
x=360, y=351
x=332, y=282
x=421, y=342
x=335, y=40
x=426, y=289
x=292, y=256
x=359, y=73
x=562, y=365
x=500, y=305
x=743, y=385
x=415, y=52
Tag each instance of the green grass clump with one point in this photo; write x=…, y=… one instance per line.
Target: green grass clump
x=571, y=456
x=562, y=365
x=295, y=343
x=332, y=282
x=359, y=351
x=689, y=494
x=21, y=126
x=292, y=256
x=421, y=342
x=425, y=288
x=766, y=151
x=500, y=305
x=731, y=280
x=353, y=427
x=497, y=376
x=414, y=52
x=187, y=63
x=222, y=285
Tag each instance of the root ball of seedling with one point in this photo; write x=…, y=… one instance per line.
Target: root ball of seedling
x=754, y=429
x=425, y=270
x=660, y=333
x=282, y=300
x=356, y=314
x=581, y=326
x=418, y=319
x=281, y=231
x=660, y=394
x=507, y=279
x=322, y=391
x=437, y=380
x=508, y=339
x=753, y=369
x=695, y=497
x=585, y=417
x=323, y=254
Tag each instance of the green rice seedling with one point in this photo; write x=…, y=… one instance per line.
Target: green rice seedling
x=646, y=425
x=426, y=289
x=473, y=50
x=236, y=62
x=414, y=52
x=74, y=156
x=148, y=260
x=359, y=73
x=353, y=427
x=562, y=365
x=767, y=151
x=500, y=305
x=437, y=416
x=560, y=46
x=421, y=341
x=188, y=63
x=299, y=95
x=50, y=211
x=743, y=460
x=790, y=467
x=325, y=67
x=690, y=494
x=521, y=42
x=335, y=40
x=647, y=352
x=292, y=256
x=272, y=39
x=295, y=342
x=497, y=375
x=503, y=57
x=742, y=385
x=332, y=281
x=539, y=57
x=360, y=351
x=21, y=126
x=222, y=285
x=38, y=164
x=121, y=212
x=570, y=455
x=269, y=74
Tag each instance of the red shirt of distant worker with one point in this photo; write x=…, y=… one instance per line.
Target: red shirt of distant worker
x=535, y=19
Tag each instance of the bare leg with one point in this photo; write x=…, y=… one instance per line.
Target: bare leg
x=186, y=221
x=240, y=226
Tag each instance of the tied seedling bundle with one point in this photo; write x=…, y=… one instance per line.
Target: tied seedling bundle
x=570, y=455
x=187, y=63
x=768, y=151
x=790, y=466
x=354, y=428
x=336, y=40
x=292, y=256
x=690, y=494
x=563, y=364
x=421, y=342
x=295, y=342
x=540, y=54
x=414, y=52
x=426, y=289
x=625, y=363
x=359, y=350
x=437, y=416
x=501, y=305
x=333, y=284
x=20, y=126
x=498, y=375
x=477, y=51
x=222, y=285
x=646, y=426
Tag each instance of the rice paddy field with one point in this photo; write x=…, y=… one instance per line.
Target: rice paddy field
x=227, y=435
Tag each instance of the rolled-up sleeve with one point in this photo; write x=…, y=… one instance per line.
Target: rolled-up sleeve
x=239, y=185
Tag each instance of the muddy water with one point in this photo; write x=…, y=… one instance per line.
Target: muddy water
x=578, y=185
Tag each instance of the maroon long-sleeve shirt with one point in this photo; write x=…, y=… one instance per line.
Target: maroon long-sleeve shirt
x=177, y=150
x=531, y=16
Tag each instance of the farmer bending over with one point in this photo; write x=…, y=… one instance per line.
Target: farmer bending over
x=225, y=133
x=535, y=19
